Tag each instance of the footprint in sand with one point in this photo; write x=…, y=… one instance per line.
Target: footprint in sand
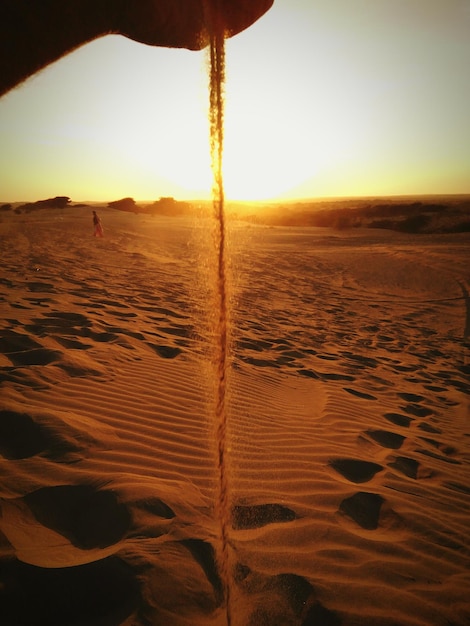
x=429, y=429
x=73, y=344
x=11, y=341
x=166, y=352
x=417, y=410
x=64, y=327
x=360, y=361
x=157, y=507
x=37, y=356
x=284, y=598
x=21, y=437
x=435, y=388
x=405, y=465
x=87, y=517
x=64, y=319
x=103, y=337
x=281, y=599
x=405, y=368
x=256, y=516
x=360, y=394
x=439, y=457
x=103, y=592
x=411, y=468
x=309, y=374
x=328, y=357
x=457, y=487
x=410, y=397
x=22, y=350
x=386, y=439
x=446, y=451
x=345, y=377
x=398, y=419
x=356, y=471
x=204, y=554
x=40, y=287
x=260, y=362
x=18, y=305
x=363, y=508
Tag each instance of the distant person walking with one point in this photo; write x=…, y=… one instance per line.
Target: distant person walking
x=97, y=226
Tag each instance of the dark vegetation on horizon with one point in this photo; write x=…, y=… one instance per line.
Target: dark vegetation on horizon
x=439, y=214
x=164, y=206
x=431, y=215
x=59, y=202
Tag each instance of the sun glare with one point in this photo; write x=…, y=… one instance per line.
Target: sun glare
x=263, y=157
x=312, y=108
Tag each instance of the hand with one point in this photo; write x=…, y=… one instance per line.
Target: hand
x=186, y=23
x=35, y=33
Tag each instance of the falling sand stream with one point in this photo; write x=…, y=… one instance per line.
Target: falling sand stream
x=216, y=120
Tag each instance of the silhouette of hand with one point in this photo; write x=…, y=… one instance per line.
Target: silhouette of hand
x=34, y=34
x=186, y=23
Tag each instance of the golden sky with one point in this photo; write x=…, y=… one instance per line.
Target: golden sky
x=323, y=98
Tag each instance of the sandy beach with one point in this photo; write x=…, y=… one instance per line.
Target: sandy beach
x=347, y=450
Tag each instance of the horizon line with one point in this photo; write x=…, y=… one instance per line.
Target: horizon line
x=268, y=200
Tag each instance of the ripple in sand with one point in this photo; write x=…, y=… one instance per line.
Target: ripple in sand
x=86, y=517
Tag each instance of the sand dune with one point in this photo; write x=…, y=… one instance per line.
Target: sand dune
x=347, y=441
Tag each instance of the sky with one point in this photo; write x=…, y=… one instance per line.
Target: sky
x=324, y=98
